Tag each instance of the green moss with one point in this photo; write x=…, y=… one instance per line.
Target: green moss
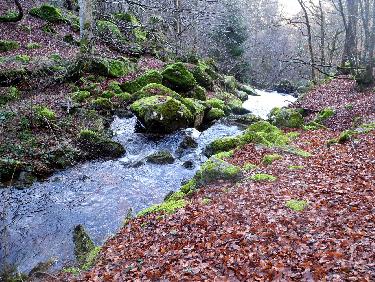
x=140, y=34
x=178, y=78
x=295, y=167
x=108, y=94
x=197, y=92
x=201, y=75
x=33, y=45
x=87, y=134
x=263, y=177
x=285, y=117
x=313, y=126
x=124, y=97
x=10, y=94
x=224, y=155
x=127, y=17
x=230, y=83
x=249, y=166
x=293, y=135
x=80, y=96
x=222, y=145
x=102, y=104
x=170, y=206
x=9, y=168
x=83, y=245
x=324, y=115
x=23, y=58
x=48, y=13
x=216, y=103
x=296, y=205
x=91, y=258
x=206, y=201
x=215, y=114
x=109, y=67
x=215, y=169
x=56, y=57
x=269, y=159
x=155, y=89
x=115, y=87
x=297, y=151
x=264, y=133
x=162, y=114
x=44, y=113
x=109, y=29
x=150, y=77
x=189, y=187
x=8, y=45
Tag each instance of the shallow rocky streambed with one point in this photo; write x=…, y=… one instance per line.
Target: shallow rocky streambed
x=36, y=223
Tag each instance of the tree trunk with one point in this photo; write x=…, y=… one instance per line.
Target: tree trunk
x=350, y=47
x=86, y=20
x=16, y=18
x=309, y=38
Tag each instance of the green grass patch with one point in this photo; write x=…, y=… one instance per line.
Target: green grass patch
x=269, y=159
x=263, y=177
x=296, y=205
x=170, y=206
x=295, y=167
x=249, y=166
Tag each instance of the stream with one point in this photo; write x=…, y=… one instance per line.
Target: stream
x=37, y=222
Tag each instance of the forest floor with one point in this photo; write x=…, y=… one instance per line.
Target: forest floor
x=247, y=231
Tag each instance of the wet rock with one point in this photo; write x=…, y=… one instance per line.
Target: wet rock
x=290, y=118
x=162, y=157
x=83, y=244
x=188, y=165
x=284, y=86
x=222, y=145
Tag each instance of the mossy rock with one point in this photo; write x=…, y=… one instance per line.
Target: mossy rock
x=94, y=145
x=222, y=145
x=197, y=92
x=197, y=108
x=83, y=244
x=214, y=114
x=284, y=86
x=248, y=90
x=230, y=84
x=48, y=13
x=161, y=158
x=324, y=115
x=44, y=114
x=178, y=78
x=155, y=89
x=127, y=17
x=8, y=45
x=115, y=87
x=201, y=75
x=102, y=103
x=80, y=96
x=264, y=133
x=216, y=103
x=9, y=169
x=12, y=76
x=161, y=114
x=269, y=159
x=108, y=29
x=174, y=202
x=290, y=118
x=152, y=76
x=109, y=67
x=215, y=169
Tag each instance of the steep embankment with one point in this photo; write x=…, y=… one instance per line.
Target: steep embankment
x=295, y=214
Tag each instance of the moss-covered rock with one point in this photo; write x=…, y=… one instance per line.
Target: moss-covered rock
x=216, y=103
x=94, y=145
x=284, y=86
x=171, y=205
x=10, y=169
x=152, y=76
x=215, y=169
x=102, y=103
x=23, y=59
x=109, y=67
x=285, y=117
x=222, y=145
x=83, y=244
x=178, y=78
x=197, y=108
x=269, y=159
x=161, y=157
x=324, y=115
x=214, y=114
x=161, y=114
x=8, y=45
x=80, y=96
x=201, y=75
x=264, y=133
x=44, y=114
x=197, y=92
x=48, y=13
x=108, y=29
x=230, y=84
x=155, y=89
x=263, y=177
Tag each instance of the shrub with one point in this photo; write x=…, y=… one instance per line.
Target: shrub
x=48, y=13
x=44, y=113
x=8, y=45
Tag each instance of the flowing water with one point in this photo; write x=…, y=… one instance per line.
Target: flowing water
x=37, y=222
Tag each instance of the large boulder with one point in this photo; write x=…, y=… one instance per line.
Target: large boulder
x=161, y=157
x=198, y=110
x=284, y=86
x=109, y=67
x=150, y=77
x=162, y=114
x=178, y=78
x=285, y=117
x=48, y=13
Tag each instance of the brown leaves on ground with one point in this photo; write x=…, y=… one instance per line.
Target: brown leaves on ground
x=246, y=232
